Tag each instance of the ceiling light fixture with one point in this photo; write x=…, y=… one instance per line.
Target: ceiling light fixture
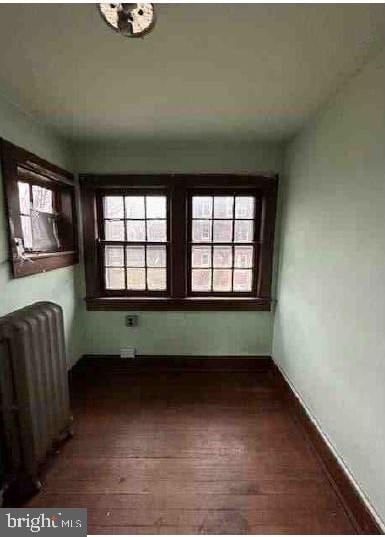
x=130, y=20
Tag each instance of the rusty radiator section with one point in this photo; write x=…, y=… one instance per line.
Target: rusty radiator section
x=34, y=393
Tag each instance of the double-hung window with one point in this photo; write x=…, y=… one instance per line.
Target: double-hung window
x=223, y=233
x=178, y=242
x=134, y=243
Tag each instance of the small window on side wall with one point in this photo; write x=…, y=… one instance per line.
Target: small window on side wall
x=40, y=200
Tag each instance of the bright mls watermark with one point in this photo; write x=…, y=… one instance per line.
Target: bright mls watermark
x=23, y=522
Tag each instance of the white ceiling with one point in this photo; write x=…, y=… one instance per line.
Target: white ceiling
x=251, y=71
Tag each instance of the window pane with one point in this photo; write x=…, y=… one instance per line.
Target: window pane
x=201, y=280
x=156, y=206
x=201, y=256
x=156, y=256
x=114, y=278
x=242, y=280
x=136, y=279
x=223, y=256
x=134, y=207
x=113, y=207
x=201, y=230
x=223, y=206
x=136, y=231
x=223, y=230
x=244, y=207
x=135, y=256
x=243, y=256
x=42, y=199
x=156, y=231
x=114, y=230
x=222, y=280
x=27, y=232
x=156, y=279
x=243, y=231
x=202, y=207
x=24, y=197
x=44, y=232
x=114, y=256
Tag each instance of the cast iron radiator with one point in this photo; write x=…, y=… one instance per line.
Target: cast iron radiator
x=34, y=394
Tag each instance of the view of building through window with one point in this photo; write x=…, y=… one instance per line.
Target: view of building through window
x=135, y=242
x=222, y=249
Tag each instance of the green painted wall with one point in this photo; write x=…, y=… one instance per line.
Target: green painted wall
x=191, y=333
x=329, y=335
x=58, y=285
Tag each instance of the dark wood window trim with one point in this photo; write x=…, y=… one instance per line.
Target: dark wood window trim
x=179, y=187
x=20, y=165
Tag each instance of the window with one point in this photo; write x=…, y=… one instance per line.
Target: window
x=223, y=230
x=134, y=233
x=38, y=214
x=41, y=212
x=178, y=242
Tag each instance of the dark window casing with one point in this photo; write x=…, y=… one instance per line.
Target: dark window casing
x=179, y=189
x=19, y=165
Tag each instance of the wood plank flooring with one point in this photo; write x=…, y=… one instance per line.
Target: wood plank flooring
x=159, y=452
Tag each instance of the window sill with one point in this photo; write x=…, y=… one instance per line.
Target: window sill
x=37, y=263
x=175, y=304
x=43, y=255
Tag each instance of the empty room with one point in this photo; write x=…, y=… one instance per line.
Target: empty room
x=192, y=268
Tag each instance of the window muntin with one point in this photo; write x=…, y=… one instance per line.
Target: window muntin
x=135, y=243
x=223, y=246
x=253, y=259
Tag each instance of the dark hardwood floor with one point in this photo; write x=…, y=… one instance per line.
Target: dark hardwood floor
x=188, y=452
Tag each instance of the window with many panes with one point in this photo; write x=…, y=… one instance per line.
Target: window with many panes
x=40, y=200
x=178, y=242
x=223, y=244
x=134, y=231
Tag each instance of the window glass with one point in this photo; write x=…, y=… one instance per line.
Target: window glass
x=135, y=256
x=202, y=207
x=222, y=265
x=156, y=207
x=114, y=230
x=136, y=279
x=113, y=207
x=201, y=280
x=201, y=256
x=42, y=199
x=24, y=197
x=135, y=206
x=140, y=224
x=38, y=221
x=115, y=278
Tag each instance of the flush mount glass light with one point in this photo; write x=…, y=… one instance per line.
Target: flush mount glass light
x=130, y=20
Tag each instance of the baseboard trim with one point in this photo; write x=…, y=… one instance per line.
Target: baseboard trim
x=182, y=362
x=360, y=513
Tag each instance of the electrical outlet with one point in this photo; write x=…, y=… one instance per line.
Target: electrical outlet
x=131, y=320
x=127, y=352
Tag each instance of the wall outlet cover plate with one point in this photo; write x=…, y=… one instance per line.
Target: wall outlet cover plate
x=131, y=320
x=127, y=352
